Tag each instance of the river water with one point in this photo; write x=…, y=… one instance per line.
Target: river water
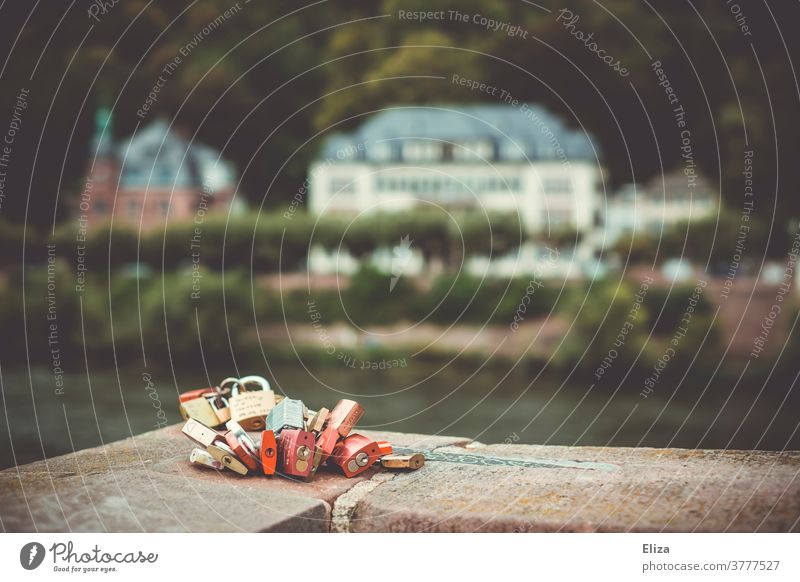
x=489, y=406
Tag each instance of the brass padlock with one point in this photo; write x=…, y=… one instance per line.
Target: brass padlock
x=225, y=455
x=195, y=404
x=250, y=407
x=200, y=433
x=317, y=421
x=411, y=462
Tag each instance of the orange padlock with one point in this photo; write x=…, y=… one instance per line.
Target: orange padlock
x=355, y=454
x=192, y=394
x=384, y=448
x=241, y=449
x=326, y=441
x=345, y=415
x=268, y=452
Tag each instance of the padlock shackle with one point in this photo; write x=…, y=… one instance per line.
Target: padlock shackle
x=249, y=380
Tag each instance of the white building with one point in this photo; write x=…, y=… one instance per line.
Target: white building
x=654, y=208
x=500, y=158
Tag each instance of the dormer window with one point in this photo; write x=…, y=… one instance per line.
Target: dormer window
x=422, y=151
x=473, y=150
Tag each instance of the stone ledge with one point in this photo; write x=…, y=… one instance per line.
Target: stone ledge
x=145, y=483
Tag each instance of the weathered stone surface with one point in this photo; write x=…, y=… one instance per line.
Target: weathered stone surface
x=641, y=490
x=145, y=483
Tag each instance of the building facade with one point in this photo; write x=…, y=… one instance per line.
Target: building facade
x=501, y=158
x=152, y=177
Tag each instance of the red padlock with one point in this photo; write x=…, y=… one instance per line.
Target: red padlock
x=192, y=394
x=268, y=452
x=296, y=449
x=326, y=441
x=345, y=415
x=384, y=448
x=355, y=454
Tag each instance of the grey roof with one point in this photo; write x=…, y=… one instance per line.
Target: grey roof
x=157, y=156
x=534, y=130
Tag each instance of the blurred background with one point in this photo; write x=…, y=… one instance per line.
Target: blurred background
x=508, y=221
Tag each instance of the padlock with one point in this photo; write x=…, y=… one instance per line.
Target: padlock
x=242, y=445
x=225, y=455
x=317, y=421
x=326, y=441
x=288, y=413
x=251, y=407
x=345, y=415
x=354, y=454
x=296, y=449
x=268, y=452
x=195, y=404
x=219, y=402
x=200, y=433
x=202, y=458
x=316, y=461
x=384, y=448
x=411, y=462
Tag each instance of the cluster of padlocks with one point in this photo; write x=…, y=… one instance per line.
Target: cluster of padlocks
x=243, y=426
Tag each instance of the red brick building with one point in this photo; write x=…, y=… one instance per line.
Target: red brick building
x=152, y=178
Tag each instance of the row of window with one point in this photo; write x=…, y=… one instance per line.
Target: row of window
x=444, y=184
x=423, y=150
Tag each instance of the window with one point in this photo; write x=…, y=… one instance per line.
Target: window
x=422, y=151
x=344, y=185
x=557, y=186
x=474, y=150
x=133, y=208
x=556, y=218
x=381, y=151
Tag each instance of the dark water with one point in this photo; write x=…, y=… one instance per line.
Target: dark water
x=36, y=422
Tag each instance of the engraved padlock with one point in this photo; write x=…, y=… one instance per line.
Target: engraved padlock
x=250, y=406
x=345, y=415
x=296, y=449
x=195, y=404
x=268, y=452
x=411, y=462
x=354, y=454
x=288, y=413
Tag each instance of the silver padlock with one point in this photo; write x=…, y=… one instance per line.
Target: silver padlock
x=287, y=414
x=250, y=402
